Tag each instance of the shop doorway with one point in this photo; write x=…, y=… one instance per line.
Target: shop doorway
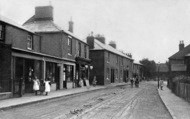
x=112, y=75
x=57, y=77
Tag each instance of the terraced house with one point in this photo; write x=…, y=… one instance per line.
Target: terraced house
x=110, y=65
x=43, y=49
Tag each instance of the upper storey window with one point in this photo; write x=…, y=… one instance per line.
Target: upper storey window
x=79, y=49
x=69, y=46
x=2, y=32
x=29, y=42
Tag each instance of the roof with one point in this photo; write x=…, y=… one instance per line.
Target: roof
x=182, y=53
x=13, y=23
x=46, y=26
x=137, y=62
x=100, y=46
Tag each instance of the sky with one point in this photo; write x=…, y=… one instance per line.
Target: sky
x=145, y=28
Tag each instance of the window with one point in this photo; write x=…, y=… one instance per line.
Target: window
x=2, y=31
x=79, y=49
x=69, y=46
x=107, y=73
x=85, y=51
x=29, y=42
x=108, y=57
x=116, y=59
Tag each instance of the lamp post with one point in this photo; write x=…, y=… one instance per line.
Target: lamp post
x=158, y=74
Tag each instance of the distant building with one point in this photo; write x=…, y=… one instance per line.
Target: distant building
x=162, y=70
x=110, y=65
x=137, y=69
x=178, y=63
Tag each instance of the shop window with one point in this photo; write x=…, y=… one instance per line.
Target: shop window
x=2, y=32
x=50, y=71
x=69, y=73
x=29, y=42
x=69, y=45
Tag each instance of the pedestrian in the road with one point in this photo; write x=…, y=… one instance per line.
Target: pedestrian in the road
x=136, y=82
x=36, y=85
x=161, y=84
x=132, y=81
x=47, y=86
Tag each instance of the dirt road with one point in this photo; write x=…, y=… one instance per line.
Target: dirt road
x=121, y=102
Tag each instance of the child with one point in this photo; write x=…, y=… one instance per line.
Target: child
x=47, y=86
x=36, y=85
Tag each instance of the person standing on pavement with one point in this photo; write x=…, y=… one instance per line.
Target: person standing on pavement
x=36, y=85
x=47, y=86
x=161, y=84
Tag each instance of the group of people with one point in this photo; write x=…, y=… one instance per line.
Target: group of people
x=42, y=86
x=135, y=81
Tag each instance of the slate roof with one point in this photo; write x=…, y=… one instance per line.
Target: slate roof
x=181, y=54
x=13, y=23
x=46, y=26
x=100, y=46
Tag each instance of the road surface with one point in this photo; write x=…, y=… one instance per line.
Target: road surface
x=121, y=102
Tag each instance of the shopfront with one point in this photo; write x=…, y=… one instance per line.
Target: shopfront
x=82, y=72
x=53, y=75
x=25, y=70
x=69, y=76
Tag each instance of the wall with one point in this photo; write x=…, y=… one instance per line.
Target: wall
x=18, y=38
x=51, y=44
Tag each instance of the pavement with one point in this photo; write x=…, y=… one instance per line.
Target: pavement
x=31, y=98
x=178, y=107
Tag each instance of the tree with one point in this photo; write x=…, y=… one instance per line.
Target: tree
x=149, y=67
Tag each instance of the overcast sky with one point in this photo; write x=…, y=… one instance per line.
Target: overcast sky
x=146, y=28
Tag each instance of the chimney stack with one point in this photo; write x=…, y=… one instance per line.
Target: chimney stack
x=181, y=45
x=100, y=38
x=71, y=25
x=112, y=44
x=90, y=41
x=44, y=13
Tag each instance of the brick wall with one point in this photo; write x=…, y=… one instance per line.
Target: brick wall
x=18, y=38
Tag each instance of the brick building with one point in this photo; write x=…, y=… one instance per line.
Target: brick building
x=45, y=51
x=63, y=44
x=178, y=62
x=137, y=69
x=110, y=65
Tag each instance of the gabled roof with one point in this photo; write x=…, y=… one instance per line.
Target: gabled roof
x=46, y=26
x=13, y=23
x=181, y=54
x=100, y=46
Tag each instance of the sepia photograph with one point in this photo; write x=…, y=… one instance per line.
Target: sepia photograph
x=94, y=59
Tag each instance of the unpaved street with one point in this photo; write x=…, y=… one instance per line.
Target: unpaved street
x=122, y=102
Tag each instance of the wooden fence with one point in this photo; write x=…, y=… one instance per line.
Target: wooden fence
x=182, y=90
